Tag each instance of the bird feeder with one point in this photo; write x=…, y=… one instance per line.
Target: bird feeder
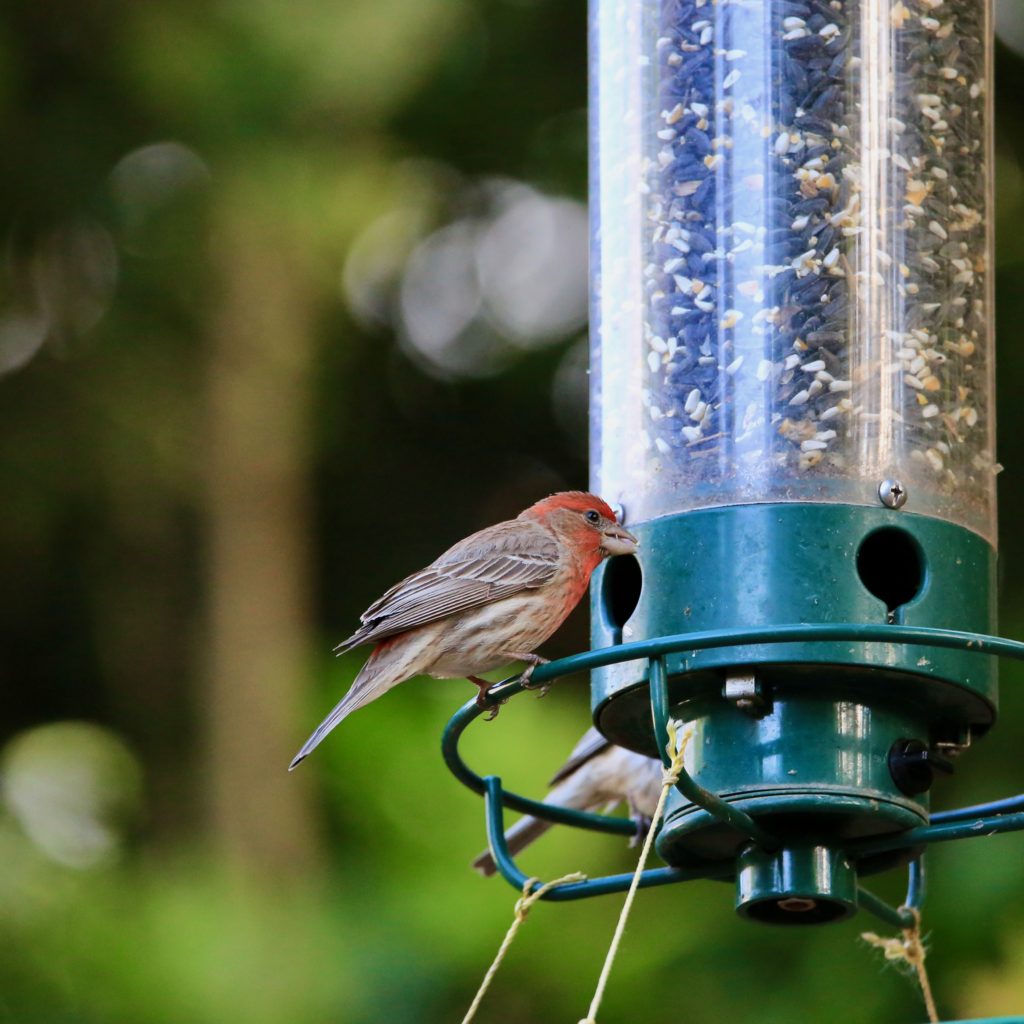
x=792, y=366
x=793, y=406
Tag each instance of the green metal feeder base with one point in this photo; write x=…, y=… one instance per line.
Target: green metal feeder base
x=737, y=567
x=781, y=870
x=692, y=837
x=822, y=743
x=813, y=769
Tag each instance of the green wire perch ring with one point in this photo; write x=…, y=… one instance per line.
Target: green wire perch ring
x=978, y=820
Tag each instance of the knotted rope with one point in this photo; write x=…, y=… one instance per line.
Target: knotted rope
x=910, y=950
x=676, y=748
x=522, y=908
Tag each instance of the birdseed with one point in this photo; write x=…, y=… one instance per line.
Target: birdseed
x=816, y=279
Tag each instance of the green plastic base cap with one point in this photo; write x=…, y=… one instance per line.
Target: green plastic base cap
x=798, y=735
x=814, y=767
x=796, y=885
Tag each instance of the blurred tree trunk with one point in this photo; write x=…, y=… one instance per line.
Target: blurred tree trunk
x=258, y=527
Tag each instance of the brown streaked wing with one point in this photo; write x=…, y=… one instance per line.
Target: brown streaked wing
x=487, y=566
x=590, y=745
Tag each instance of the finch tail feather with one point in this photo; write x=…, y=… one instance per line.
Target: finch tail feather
x=582, y=790
x=518, y=837
x=388, y=666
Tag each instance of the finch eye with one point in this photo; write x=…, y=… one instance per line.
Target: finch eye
x=592, y=517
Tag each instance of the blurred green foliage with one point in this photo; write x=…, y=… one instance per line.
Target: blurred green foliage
x=211, y=410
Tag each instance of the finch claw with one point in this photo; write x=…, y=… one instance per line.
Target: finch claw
x=483, y=688
x=524, y=679
x=643, y=826
x=483, y=692
x=493, y=713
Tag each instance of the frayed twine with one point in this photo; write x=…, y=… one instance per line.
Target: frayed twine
x=909, y=950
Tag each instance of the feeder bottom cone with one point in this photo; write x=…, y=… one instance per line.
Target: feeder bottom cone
x=795, y=885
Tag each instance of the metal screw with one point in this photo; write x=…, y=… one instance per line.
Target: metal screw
x=892, y=493
x=620, y=513
x=747, y=693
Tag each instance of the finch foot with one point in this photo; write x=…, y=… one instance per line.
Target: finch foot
x=533, y=660
x=643, y=826
x=484, y=688
x=493, y=713
x=524, y=680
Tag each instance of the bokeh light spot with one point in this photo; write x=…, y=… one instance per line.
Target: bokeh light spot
x=158, y=192
x=75, y=789
x=21, y=337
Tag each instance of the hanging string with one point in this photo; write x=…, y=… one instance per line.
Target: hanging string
x=522, y=908
x=910, y=950
x=670, y=776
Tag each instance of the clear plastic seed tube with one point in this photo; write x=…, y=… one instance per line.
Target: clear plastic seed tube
x=792, y=253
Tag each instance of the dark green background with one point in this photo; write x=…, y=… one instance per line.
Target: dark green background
x=205, y=485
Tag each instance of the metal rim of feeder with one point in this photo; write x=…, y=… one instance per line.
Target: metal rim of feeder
x=966, y=822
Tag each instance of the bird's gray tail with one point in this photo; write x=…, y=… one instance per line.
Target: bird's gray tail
x=518, y=837
x=381, y=672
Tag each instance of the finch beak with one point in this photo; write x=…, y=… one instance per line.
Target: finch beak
x=618, y=541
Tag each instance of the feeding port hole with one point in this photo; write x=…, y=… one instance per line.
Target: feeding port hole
x=891, y=567
x=620, y=593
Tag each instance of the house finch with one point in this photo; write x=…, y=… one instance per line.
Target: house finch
x=489, y=600
x=597, y=777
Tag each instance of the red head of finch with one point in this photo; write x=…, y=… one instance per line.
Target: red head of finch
x=490, y=599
